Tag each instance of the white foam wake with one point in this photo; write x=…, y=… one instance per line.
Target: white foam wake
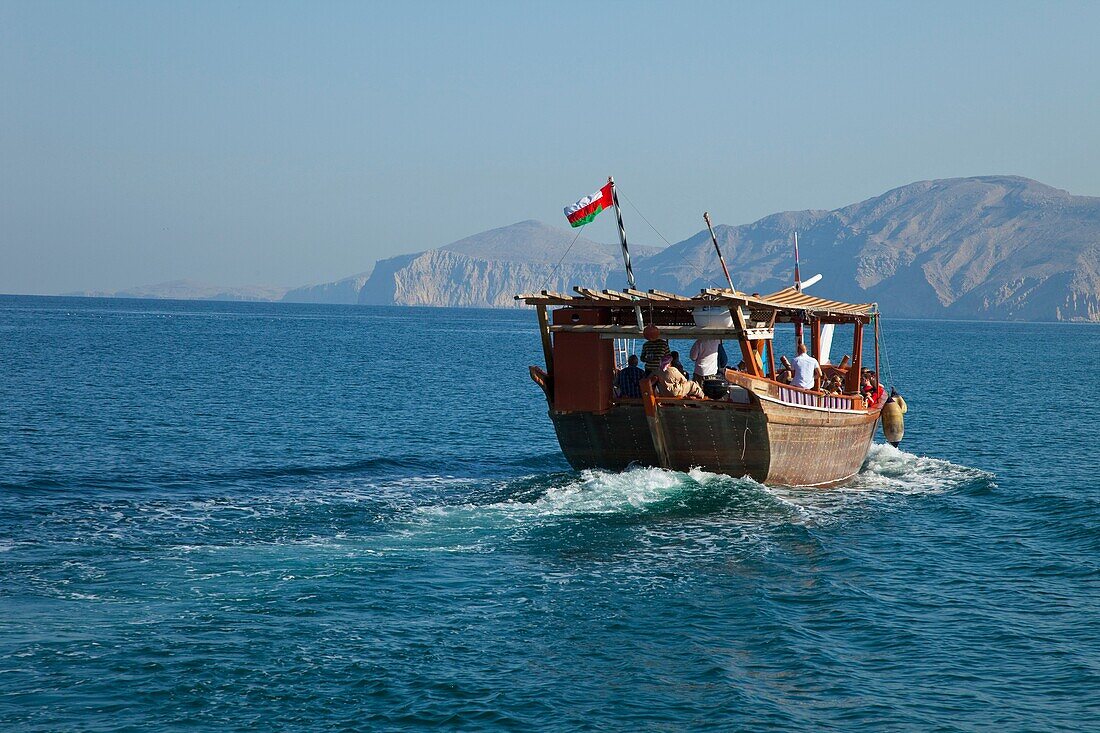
x=691, y=498
x=891, y=469
x=601, y=492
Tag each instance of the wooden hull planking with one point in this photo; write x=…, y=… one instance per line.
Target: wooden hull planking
x=771, y=442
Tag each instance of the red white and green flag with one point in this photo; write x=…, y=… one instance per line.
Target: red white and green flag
x=586, y=209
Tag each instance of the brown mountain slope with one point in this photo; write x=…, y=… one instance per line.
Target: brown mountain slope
x=991, y=247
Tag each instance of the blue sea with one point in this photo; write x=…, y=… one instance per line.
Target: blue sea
x=241, y=517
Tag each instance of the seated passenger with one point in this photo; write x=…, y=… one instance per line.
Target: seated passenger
x=628, y=381
x=676, y=362
x=871, y=390
x=654, y=349
x=785, y=371
x=671, y=382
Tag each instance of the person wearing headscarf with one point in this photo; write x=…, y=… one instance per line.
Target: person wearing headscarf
x=671, y=382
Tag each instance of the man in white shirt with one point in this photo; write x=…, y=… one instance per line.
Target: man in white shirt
x=704, y=353
x=807, y=372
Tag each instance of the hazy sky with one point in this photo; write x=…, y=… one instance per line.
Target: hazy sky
x=287, y=143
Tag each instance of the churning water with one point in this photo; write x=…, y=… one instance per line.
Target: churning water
x=278, y=517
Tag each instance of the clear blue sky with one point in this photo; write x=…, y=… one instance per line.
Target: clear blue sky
x=287, y=143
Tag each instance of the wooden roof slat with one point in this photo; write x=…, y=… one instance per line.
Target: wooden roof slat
x=788, y=299
x=794, y=298
x=669, y=296
x=650, y=297
x=590, y=293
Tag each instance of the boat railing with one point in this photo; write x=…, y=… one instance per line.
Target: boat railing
x=809, y=398
x=796, y=395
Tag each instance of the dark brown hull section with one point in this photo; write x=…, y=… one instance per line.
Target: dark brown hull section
x=771, y=442
x=613, y=440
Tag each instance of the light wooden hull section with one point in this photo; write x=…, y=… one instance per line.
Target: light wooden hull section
x=771, y=442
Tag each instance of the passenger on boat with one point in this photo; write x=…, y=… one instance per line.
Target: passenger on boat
x=807, y=372
x=833, y=385
x=628, y=381
x=704, y=352
x=671, y=382
x=785, y=372
x=871, y=390
x=677, y=363
x=654, y=349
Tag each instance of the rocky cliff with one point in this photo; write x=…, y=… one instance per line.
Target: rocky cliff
x=488, y=269
x=341, y=291
x=439, y=277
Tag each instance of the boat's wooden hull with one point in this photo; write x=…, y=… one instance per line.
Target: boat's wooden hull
x=770, y=441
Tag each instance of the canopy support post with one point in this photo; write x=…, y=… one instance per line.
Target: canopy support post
x=857, y=360
x=877, y=374
x=748, y=353
x=544, y=330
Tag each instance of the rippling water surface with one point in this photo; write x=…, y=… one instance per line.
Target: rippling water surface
x=277, y=517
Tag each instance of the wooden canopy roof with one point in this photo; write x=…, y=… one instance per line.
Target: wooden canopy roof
x=786, y=300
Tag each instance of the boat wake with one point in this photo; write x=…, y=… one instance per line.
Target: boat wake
x=653, y=494
x=463, y=514
x=887, y=468
x=653, y=490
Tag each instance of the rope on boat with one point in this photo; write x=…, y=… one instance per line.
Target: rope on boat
x=886, y=368
x=554, y=269
x=702, y=274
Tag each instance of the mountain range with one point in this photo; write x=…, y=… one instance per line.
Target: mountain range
x=992, y=247
x=988, y=247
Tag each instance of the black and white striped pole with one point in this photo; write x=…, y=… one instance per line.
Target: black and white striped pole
x=626, y=250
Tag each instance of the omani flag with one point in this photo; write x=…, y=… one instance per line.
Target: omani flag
x=586, y=209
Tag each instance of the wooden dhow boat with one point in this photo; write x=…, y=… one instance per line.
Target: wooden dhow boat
x=757, y=426
x=763, y=428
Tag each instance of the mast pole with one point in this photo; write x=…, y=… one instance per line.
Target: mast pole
x=878, y=374
x=714, y=239
x=626, y=251
x=797, y=287
x=797, y=277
